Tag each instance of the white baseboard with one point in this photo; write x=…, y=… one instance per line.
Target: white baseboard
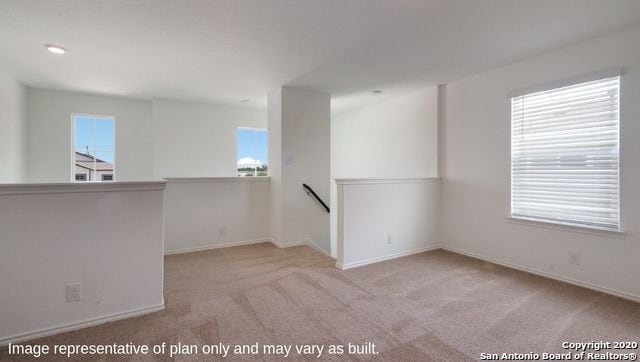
x=308, y=243
x=245, y=242
x=598, y=288
x=355, y=264
x=141, y=311
x=78, y=325
x=217, y=246
x=315, y=246
x=286, y=245
x=545, y=274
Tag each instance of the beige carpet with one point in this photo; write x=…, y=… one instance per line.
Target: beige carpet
x=432, y=306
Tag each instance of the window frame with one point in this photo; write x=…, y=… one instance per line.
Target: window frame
x=567, y=226
x=235, y=140
x=73, y=143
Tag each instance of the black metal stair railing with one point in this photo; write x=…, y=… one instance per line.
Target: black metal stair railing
x=310, y=191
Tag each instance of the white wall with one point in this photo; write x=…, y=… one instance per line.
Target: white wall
x=371, y=211
x=306, y=153
x=274, y=109
x=196, y=209
x=50, y=131
x=299, y=123
x=476, y=180
x=396, y=138
x=198, y=140
x=108, y=237
x=13, y=129
x=156, y=139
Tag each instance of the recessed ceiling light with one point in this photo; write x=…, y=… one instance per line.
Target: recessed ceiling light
x=245, y=101
x=56, y=49
x=376, y=92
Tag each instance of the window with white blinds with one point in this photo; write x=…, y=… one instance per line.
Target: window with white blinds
x=565, y=155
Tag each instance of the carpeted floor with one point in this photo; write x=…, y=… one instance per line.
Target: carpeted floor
x=431, y=306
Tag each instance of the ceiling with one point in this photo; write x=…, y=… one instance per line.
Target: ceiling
x=224, y=51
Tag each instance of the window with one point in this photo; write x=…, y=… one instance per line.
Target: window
x=93, y=148
x=252, y=152
x=565, y=155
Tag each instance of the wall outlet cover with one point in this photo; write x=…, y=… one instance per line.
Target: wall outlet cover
x=574, y=258
x=74, y=292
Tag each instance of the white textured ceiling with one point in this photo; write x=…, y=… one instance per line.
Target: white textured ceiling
x=227, y=50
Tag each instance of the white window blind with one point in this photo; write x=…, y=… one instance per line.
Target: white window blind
x=565, y=155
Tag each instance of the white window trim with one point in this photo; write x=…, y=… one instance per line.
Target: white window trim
x=566, y=227
x=608, y=73
x=577, y=228
x=73, y=144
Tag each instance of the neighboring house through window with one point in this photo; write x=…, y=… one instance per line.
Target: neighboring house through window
x=94, y=148
x=252, y=151
x=565, y=154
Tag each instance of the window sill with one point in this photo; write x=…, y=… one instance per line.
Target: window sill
x=566, y=227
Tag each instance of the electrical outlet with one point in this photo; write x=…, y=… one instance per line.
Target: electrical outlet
x=389, y=239
x=74, y=292
x=223, y=230
x=574, y=258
